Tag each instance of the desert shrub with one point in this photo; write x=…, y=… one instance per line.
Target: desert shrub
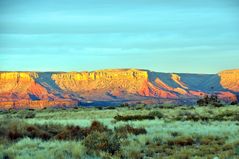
x=188, y=146
x=166, y=106
x=74, y=132
x=3, y=112
x=186, y=115
x=75, y=107
x=135, y=155
x=138, y=107
x=34, y=132
x=134, y=117
x=123, y=131
x=13, y=134
x=71, y=133
x=26, y=114
x=202, y=102
x=15, y=129
x=234, y=103
x=237, y=150
x=181, y=141
x=6, y=156
x=225, y=115
x=110, y=107
x=106, y=141
x=124, y=105
x=210, y=140
x=217, y=104
x=157, y=114
x=198, y=140
x=100, y=108
x=210, y=100
x=51, y=128
x=2, y=130
x=236, y=117
x=30, y=114
x=175, y=134
x=12, y=111
x=97, y=126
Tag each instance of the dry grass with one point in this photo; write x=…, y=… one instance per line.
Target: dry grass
x=171, y=132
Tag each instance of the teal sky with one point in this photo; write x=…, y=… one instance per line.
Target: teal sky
x=197, y=36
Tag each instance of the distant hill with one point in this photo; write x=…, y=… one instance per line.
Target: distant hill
x=112, y=87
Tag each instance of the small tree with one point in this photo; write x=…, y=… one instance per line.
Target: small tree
x=204, y=101
x=234, y=103
x=210, y=100
x=124, y=105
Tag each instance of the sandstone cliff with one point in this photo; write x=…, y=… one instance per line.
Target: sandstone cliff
x=37, y=90
x=129, y=80
x=230, y=80
x=20, y=89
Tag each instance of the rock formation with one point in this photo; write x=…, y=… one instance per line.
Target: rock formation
x=230, y=80
x=43, y=89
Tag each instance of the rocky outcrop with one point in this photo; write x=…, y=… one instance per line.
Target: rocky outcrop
x=227, y=96
x=37, y=90
x=177, y=79
x=230, y=80
x=130, y=80
x=20, y=89
x=21, y=85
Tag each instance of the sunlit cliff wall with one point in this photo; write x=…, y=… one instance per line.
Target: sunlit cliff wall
x=37, y=90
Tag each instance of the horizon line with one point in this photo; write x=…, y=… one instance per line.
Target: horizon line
x=47, y=71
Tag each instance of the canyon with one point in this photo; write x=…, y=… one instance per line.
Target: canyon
x=112, y=87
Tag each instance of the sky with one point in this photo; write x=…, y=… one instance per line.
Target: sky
x=190, y=36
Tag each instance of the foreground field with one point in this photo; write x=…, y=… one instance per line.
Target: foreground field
x=122, y=132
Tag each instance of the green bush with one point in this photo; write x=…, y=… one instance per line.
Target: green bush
x=134, y=117
x=123, y=131
x=210, y=100
x=106, y=141
x=15, y=129
x=26, y=114
x=175, y=134
x=124, y=105
x=234, y=103
x=71, y=133
x=157, y=114
x=186, y=115
x=237, y=150
x=181, y=141
x=97, y=126
x=236, y=117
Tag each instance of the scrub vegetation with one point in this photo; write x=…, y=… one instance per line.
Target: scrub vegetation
x=125, y=132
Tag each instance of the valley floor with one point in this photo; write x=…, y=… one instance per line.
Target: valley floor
x=121, y=132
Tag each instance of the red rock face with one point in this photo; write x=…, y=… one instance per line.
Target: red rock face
x=150, y=90
x=38, y=90
x=227, y=96
x=230, y=80
x=20, y=90
x=197, y=93
x=20, y=86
